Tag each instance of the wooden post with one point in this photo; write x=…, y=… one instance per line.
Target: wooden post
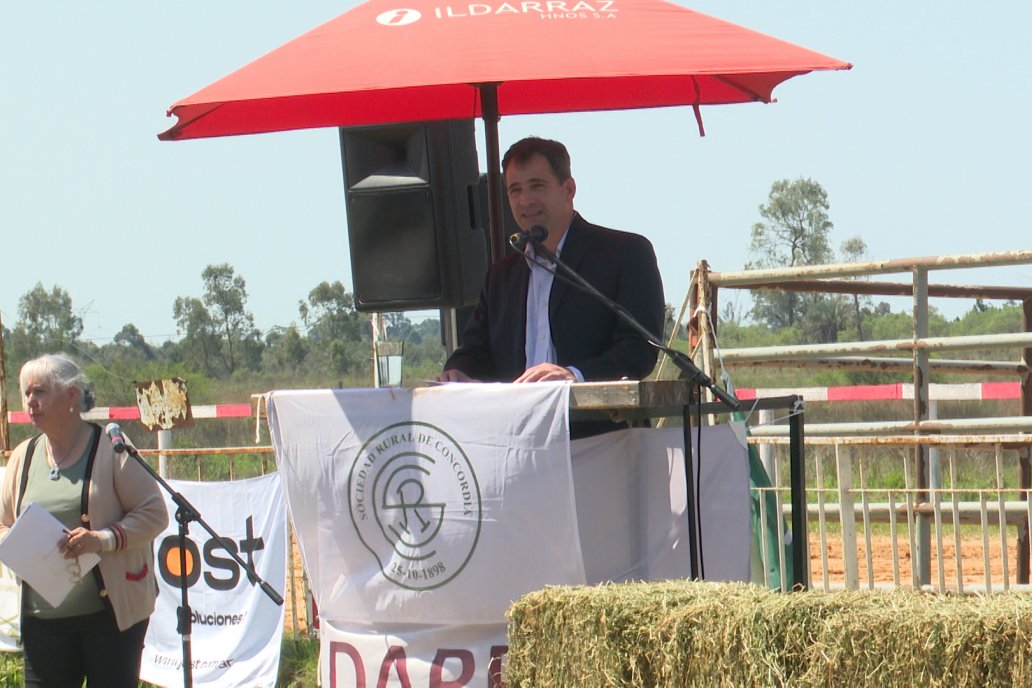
x=5, y=437
x=699, y=282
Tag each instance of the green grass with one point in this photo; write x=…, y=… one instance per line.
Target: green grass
x=299, y=665
x=10, y=669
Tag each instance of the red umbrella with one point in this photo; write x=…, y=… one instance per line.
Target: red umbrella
x=382, y=62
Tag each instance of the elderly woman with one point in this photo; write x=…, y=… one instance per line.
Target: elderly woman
x=108, y=504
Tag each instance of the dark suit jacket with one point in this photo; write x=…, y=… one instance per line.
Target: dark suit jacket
x=586, y=333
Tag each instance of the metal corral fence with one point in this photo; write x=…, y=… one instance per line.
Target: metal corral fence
x=935, y=498
x=871, y=526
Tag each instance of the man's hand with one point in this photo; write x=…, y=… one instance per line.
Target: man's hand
x=546, y=371
x=454, y=375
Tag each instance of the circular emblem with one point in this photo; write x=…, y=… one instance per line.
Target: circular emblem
x=398, y=17
x=415, y=503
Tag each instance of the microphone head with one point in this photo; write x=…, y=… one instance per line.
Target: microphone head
x=533, y=235
x=114, y=434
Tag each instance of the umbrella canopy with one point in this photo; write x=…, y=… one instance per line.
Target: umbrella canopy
x=382, y=62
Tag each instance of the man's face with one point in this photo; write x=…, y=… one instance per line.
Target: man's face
x=537, y=197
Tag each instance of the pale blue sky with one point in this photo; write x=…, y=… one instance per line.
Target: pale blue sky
x=924, y=148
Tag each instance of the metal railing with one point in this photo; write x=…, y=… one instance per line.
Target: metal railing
x=841, y=278
x=867, y=524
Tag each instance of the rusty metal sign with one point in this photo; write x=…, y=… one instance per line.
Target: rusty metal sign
x=164, y=404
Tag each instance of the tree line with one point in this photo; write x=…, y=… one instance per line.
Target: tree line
x=219, y=347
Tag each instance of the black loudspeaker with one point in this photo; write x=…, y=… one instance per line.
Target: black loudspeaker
x=414, y=222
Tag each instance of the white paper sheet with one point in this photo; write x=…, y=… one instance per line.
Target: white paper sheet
x=30, y=550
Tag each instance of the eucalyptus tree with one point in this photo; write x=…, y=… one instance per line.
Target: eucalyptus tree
x=794, y=231
x=329, y=313
x=854, y=250
x=46, y=323
x=218, y=331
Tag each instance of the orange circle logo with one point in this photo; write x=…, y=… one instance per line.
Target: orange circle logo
x=172, y=562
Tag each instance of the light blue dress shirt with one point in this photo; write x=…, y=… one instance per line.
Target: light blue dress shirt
x=539, y=346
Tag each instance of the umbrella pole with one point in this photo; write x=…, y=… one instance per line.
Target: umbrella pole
x=489, y=113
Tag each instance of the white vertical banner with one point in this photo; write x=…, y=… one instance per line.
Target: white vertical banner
x=427, y=511
x=10, y=605
x=236, y=629
x=10, y=610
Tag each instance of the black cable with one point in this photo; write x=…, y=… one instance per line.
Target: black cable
x=698, y=482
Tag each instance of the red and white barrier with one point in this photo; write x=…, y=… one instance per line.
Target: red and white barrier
x=975, y=391
x=104, y=413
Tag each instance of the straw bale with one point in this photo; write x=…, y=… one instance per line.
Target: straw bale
x=680, y=633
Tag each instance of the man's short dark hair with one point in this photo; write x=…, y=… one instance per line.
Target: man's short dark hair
x=554, y=152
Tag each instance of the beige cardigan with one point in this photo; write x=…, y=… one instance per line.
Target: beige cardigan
x=121, y=494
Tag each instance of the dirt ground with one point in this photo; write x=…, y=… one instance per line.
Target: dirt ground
x=972, y=561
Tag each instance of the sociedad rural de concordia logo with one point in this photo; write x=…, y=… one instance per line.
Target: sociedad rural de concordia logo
x=415, y=502
x=545, y=9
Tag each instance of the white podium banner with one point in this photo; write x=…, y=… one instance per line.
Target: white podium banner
x=405, y=504
x=438, y=656
x=422, y=514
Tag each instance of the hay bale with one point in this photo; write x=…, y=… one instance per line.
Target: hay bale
x=679, y=633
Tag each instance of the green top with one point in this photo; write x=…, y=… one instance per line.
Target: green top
x=62, y=498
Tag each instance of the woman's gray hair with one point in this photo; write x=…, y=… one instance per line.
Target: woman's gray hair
x=63, y=373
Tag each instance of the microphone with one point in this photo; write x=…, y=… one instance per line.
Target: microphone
x=115, y=434
x=536, y=234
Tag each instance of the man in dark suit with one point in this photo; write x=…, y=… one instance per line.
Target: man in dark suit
x=530, y=326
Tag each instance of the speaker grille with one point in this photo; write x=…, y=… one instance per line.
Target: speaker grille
x=397, y=251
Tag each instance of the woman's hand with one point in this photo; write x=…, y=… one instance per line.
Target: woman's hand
x=79, y=541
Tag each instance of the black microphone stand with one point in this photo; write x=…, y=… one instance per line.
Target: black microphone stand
x=689, y=371
x=185, y=514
